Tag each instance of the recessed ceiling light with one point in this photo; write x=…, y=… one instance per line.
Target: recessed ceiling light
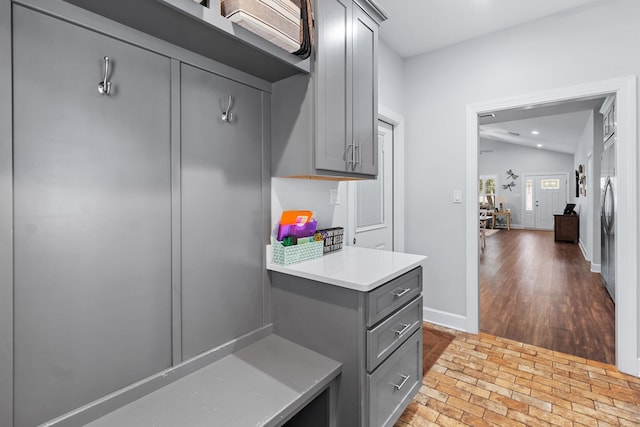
x=535, y=132
x=539, y=145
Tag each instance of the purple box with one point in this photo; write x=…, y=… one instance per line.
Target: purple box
x=305, y=230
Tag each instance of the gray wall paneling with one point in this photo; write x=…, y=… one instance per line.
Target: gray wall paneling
x=222, y=251
x=92, y=212
x=266, y=204
x=176, y=217
x=84, y=18
x=117, y=31
x=6, y=219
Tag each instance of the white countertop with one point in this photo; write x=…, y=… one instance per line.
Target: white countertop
x=360, y=269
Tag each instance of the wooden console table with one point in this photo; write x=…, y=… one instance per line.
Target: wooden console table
x=506, y=213
x=566, y=228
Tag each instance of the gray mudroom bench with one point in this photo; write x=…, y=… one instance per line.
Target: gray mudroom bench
x=268, y=383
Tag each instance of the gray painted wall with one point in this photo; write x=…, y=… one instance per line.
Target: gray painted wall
x=571, y=48
x=6, y=220
x=521, y=160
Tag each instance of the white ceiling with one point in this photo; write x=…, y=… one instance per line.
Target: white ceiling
x=556, y=133
x=418, y=26
x=559, y=125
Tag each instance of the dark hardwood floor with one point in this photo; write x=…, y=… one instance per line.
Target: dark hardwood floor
x=541, y=292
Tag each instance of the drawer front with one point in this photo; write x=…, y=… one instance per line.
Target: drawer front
x=392, y=332
x=389, y=297
x=392, y=386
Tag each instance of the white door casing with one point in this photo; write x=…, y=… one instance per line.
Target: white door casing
x=371, y=201
x=625, y=89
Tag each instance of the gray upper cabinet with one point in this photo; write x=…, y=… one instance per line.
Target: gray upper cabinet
x=325, y=125
x=92, y=216
x=333, y=79
x=365, y=93
x=221, y=210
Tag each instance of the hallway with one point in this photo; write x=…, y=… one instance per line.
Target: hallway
x=541, y=292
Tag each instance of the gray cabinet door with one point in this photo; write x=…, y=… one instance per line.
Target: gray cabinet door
x=222, y=237
x=333, y=86
x=365, y=100
x=92, y=216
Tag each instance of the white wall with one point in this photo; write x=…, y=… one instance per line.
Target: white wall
x=564, y=50
x=583, y=204
x=521, y=160
x=290, y=194
x=390, y=75
x=588, y=153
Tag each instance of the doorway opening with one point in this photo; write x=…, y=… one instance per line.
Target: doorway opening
x=371, y=201
x=535, y=286
x=391, y=129
x=544, y=195
x=626, y=310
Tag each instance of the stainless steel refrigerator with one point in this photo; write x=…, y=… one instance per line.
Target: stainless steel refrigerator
x=608, y=215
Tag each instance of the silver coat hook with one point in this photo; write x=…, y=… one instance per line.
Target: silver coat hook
x=227, y=115
x=104, y=87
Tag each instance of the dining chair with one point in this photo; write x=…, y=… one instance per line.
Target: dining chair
x=484, y=219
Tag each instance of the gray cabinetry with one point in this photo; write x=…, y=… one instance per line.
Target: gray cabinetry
x=380, y=355
x=139, y=215
x=221, y=209
x=333, y=80
x=324, y=124
x=365, y=93
x=92, y=216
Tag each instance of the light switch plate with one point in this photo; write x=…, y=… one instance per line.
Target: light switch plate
x=333, y=196
x=457, y=196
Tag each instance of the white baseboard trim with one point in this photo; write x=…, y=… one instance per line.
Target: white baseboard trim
x=442, y=318
x=583, y=250
x=596, y=268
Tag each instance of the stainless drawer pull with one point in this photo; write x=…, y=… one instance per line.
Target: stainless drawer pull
x=405, y=378
x=405, y=326
x=402, y=292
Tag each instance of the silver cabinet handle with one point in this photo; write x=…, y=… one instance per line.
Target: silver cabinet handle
x=405, y=378
x=357, y=159
x=353, y=156
x=104, y=87
x=402, y=292
x=405, y=326
x=350, y=162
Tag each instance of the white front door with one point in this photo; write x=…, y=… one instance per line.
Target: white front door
x=371, y=201
x=545, y=195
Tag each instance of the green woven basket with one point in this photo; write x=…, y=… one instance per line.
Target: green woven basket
x=291, y=254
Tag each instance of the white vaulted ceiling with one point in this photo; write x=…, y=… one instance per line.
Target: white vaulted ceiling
x=418, y=26
x=559, y=126
x=555, y=133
